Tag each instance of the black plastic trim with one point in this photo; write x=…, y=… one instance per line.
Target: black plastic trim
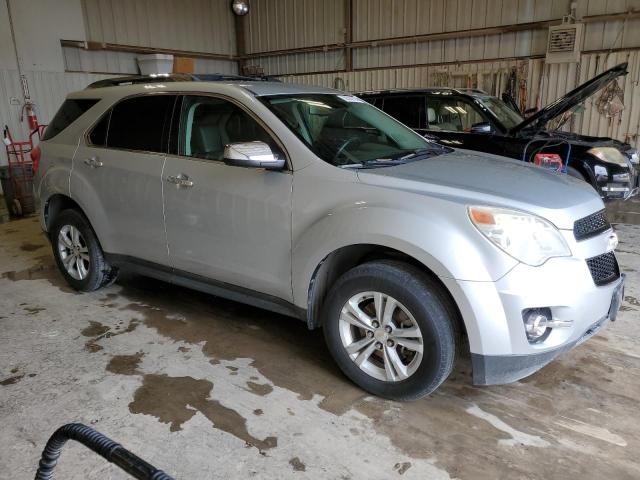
x=207, y=285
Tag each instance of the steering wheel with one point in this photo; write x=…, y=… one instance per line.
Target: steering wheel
x=344, y=145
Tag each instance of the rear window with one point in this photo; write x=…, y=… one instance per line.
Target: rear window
x=140, y=123
x=68, y=113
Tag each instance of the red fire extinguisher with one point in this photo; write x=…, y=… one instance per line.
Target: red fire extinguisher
x=31, y=116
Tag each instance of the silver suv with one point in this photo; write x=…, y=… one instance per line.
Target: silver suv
x=312, y=203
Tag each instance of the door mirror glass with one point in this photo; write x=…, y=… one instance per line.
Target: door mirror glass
x=482, y=127
x=252, y=155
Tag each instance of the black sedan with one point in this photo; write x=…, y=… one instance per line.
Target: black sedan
x=474, y=120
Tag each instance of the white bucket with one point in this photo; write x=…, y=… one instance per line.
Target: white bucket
x=155, y=63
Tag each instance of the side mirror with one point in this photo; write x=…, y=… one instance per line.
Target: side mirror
x=482, y=127
x=252, y=155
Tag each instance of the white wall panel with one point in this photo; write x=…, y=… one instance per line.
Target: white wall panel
x=193, y=25
x=48, y=90
x=281, y=24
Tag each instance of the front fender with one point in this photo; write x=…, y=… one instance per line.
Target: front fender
x=447, y=244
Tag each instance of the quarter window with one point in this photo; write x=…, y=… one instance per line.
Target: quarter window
x=140, y=123
x=208, y=124
x=67, y=114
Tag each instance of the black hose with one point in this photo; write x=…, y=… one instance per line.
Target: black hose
x=103, y=446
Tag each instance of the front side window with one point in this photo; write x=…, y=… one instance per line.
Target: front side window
x=140, y=123
x=209, y=123
x=345, y=130
x=451, y=114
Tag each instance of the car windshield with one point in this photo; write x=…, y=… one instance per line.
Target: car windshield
x=507, y=116
x=348, y=132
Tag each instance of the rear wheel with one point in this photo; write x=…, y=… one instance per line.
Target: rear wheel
x=78, y=252
x=391, y=330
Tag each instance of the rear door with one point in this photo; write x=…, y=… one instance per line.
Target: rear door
x=117, y=177
x=226, y=223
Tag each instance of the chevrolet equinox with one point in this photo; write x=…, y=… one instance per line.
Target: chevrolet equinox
x=312, y=203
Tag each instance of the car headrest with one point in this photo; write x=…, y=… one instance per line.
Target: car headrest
x=431, y=115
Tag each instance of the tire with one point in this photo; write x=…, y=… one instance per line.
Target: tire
x=420, y=301
x=94, y=271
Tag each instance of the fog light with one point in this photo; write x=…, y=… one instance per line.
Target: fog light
x=536, y=324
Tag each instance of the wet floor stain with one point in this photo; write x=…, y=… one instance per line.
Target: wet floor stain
x=260, y=389
x=125, y=364
x=12, y=380
x=34, y=310
x=298, y=465
x=225, y=329
x=31, y=247
x=95, y=329
x=402, y=467
x=43, y=270
x=175, y=400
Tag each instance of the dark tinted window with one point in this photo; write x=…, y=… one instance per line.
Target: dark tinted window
x=98, y=135
x=140, y=123
x=209, y=123
x=67, y=114
x=407, y=110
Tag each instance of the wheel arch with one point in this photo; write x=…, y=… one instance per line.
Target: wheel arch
x=55, y=204
x=339, y=261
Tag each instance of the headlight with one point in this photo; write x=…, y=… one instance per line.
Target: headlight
x=609, y=154
x=527, y=238
x=633, y=156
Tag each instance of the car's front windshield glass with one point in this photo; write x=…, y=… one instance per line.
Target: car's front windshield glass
x=507, y=116
x=346, y=131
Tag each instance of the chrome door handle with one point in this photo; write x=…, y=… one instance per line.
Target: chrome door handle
x=180, y=180
x=93, y=162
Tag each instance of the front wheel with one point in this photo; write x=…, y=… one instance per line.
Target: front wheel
x=78, y=253
x=391, y=330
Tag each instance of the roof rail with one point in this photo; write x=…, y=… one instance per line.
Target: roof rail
x=177, y=77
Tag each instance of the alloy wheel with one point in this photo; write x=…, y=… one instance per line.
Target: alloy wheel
x=74, y=252
x=381, y=336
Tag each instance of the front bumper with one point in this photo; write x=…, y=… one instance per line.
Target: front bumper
x=492, y=312
x=620, y=190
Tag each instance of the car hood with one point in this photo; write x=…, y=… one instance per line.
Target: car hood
x=481, y=179
x=539, y=119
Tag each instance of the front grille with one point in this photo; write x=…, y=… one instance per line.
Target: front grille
x=604, y=268
x=590, y=226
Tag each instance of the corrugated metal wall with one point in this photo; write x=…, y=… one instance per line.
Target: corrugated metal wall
x=482, y=61
x=194, y=25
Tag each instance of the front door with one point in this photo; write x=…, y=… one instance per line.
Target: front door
x=117, y=177
x=225, y=223
x=450, y=119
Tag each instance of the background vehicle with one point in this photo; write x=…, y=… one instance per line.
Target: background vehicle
x=312, y=203
x=474, y=120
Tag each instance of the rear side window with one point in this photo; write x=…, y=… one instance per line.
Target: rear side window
x=407, y=110
x=139, y=123
x=68, y=113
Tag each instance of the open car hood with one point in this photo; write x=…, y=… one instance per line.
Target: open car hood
x=570, y=100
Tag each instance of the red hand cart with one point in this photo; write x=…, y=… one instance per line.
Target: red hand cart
x=20, y=171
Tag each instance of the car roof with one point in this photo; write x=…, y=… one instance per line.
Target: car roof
x=432, y=90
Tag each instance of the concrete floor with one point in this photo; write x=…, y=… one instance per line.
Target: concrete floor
x=206, y=388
